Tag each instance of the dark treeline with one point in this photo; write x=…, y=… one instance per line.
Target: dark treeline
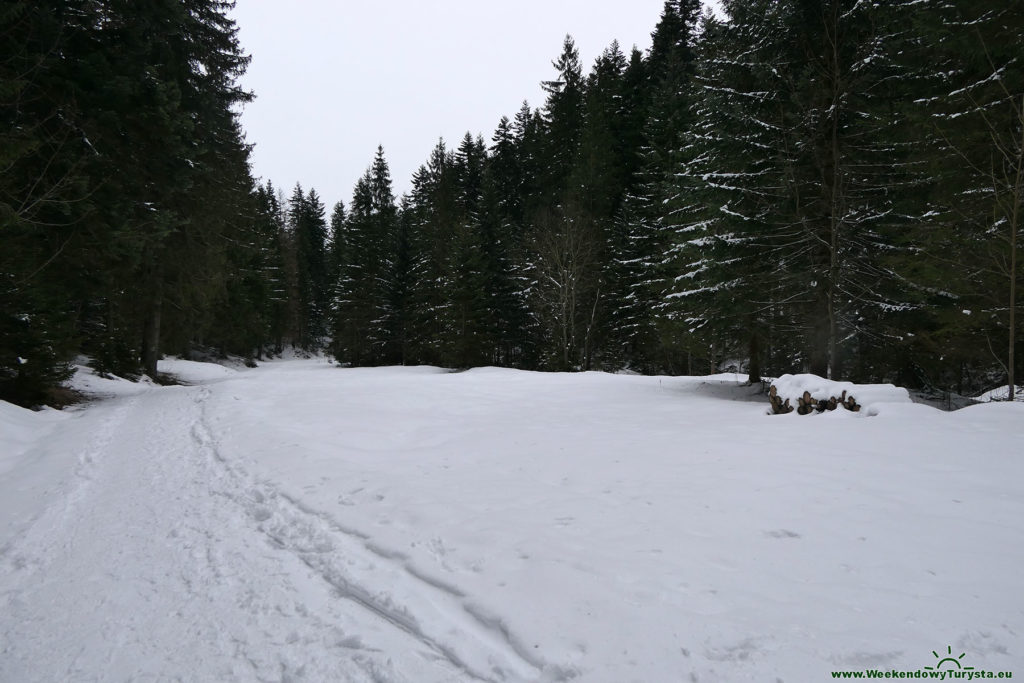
x=832, y=186
x=127, y=210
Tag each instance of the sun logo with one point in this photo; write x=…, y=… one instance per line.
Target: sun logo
x=953, y=661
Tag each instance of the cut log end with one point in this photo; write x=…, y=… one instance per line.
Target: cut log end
x=806, y=404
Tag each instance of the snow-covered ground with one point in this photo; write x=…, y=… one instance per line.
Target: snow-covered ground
x=304, y=522
x=1002, y=393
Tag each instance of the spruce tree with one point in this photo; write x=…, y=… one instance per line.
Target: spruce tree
x=787, y=173
x=970, y=118
x=364, y=291
x=563, y=121
x=308, y=228
x=468, y=262
x=431, y=210
x=101, y=211
x=335, y=244
x=644, y=331
x=270, y=241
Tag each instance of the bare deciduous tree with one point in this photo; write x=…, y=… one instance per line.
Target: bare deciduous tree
x=567, y=290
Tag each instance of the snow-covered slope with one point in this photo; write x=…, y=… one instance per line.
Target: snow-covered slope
x=304, y=522
x=1001, y=393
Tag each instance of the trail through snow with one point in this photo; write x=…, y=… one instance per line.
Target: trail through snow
x=160, y=541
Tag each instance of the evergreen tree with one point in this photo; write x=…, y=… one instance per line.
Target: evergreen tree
x=563, y=123
x=787, y=178
x=336, y=244
x=968, y=118
x=643, y=332
x=99, y=209
x=270, y=265
x=468, y=263
x=502, y=232
x=431, y=210
x=308, y=228
x=598, y=183
x=400, y=290
x=364, y=291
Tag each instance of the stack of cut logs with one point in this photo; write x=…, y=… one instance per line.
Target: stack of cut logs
x=807, y=405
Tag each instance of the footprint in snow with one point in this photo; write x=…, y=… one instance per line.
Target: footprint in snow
x=782, y=533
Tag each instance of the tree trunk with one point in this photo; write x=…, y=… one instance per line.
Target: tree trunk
x=833, y=341
x=754, y=366
x=1018, y=190
x=151, y=333
x=590, y=331
x=818, y=360
x=1011, y=379
x=836, y=199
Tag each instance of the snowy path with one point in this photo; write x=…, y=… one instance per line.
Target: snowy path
x=160, y=541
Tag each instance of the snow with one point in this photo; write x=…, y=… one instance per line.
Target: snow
x=191, y=372
x=300, y=521
x=87, y=381
x=20, y=429
x=1001, y=393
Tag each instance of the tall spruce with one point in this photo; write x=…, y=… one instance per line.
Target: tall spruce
x=363, y=292
x=308, y=231
x=563, y=122
x=502, y=228
x=472, y=331
x=644, y=333
x=971, y=117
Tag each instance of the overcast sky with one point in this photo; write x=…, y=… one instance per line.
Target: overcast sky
x=335, y=79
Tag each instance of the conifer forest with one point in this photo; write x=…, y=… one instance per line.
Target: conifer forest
x=824, y=186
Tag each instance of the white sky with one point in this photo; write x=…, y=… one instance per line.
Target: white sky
x=334, y=79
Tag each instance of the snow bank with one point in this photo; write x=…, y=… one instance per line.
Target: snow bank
x=35, y=462
x=194, y=372
x=1001, y=394
x=998, y=412
x=19, y=430
x=89, y=382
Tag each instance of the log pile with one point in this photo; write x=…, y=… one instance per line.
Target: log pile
x=806, y=404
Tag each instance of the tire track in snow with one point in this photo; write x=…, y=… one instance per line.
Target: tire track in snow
x=384, y=583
